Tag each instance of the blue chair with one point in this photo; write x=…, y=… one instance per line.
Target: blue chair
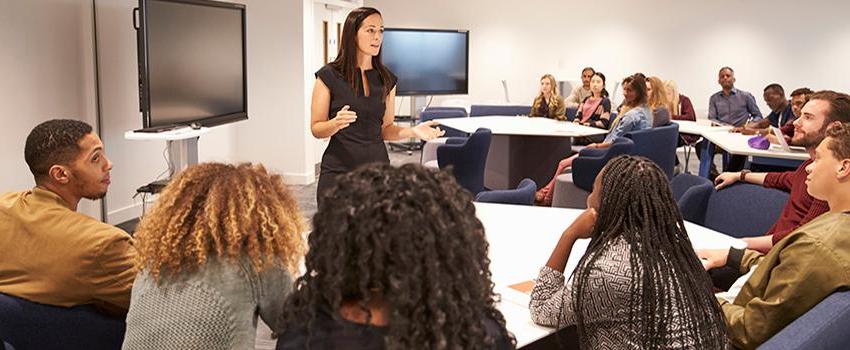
x=485, y=110
x=658, y=144
x=744, y=210
x=523, y=194
x=28, y=325
x=590, y=161
x=573, y=186
x=432, y=114
x=821, y=328
x=683, y=182
x=692, y=193
x=467, y=157
x=571, y=113
x=460, y=110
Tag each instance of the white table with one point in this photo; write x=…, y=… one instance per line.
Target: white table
x=736, y=144
x=698, y=127
x=523, y=147
x=521, y=239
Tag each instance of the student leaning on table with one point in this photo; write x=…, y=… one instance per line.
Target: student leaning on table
x=804, y=267
x=640, y=284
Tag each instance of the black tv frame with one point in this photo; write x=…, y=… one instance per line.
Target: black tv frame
x=144, y=72
x=464, y=91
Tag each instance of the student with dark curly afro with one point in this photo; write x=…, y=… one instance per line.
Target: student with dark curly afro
x=397, y=260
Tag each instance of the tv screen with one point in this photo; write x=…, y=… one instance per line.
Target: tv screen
x=191, y=62
x=427, y=62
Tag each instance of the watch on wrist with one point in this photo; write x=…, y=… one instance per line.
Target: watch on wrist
x=744, y=175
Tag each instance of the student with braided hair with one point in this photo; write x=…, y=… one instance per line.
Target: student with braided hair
x=640, y=284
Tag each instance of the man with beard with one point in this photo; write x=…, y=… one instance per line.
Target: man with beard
x=51, y=254
x=823, y=109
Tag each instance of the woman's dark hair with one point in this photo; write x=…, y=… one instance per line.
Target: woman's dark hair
x=669, y=282
x=602, y=76
x=410, y=236
x=638, y=84
x=346, y=59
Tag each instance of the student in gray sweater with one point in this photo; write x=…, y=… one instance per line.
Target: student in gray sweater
x=218, y=250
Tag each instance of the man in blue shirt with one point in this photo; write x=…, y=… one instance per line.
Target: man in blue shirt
x=734, y=107
x=730, y=105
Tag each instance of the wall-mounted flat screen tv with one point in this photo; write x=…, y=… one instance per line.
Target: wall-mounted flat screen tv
x=191, y=62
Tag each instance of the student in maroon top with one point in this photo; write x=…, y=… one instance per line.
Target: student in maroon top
x=823, y=109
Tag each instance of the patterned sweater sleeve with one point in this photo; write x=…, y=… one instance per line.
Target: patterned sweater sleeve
x=551, y=300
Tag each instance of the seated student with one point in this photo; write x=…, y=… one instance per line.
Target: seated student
x=683, y=109
x=658, y=102
x=804, y=267
x=548, y=103
x=50, y=253
x=781, y=112
x=397, y=260
x=799, y=97
x=634, y=115
x=579, y=93
x=216, y=251
x=639, y=285
x=823, y=109
x=730, y=106
x=594, y=111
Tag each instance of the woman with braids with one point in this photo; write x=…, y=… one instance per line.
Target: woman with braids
x=634, y=115
x=640, y=284
x=398, y=260
x=220, y=247
x=353, y=102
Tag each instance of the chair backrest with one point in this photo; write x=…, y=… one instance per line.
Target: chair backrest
x=591, y=161
x=485, y=110
x=693, y=203
x=658, y=144
x=28, y=325
x=571, y=113
x=681, y=183
x=459, y=110
x=523, y=194
x=744, y=210
x=467, y=159
x=444, y=112
x=821, y=328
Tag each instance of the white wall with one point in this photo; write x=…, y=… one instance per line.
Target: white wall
x=46, y=72
x=793, y=43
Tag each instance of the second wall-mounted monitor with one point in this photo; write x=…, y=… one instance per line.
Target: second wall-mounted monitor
x=427, y=61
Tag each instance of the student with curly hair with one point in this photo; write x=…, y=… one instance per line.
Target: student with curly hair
x=640, y=284
x=548, y=103
x=220, y=247
x=397, y=260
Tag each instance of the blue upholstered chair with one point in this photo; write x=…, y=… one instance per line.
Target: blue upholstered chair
x=459, y=110
x=28, y=325
x=523, y=194
x=692, y=193
x=744, y=210
x=573, y=187
x=571, y=113
x=467, y=157
x=450, y=112
x=658, y=144
x=824, y=327
x=485, y=110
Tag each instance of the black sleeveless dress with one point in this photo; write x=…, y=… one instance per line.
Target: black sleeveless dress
x=361, y=142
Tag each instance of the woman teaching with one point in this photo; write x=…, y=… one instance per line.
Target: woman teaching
x=353, y=102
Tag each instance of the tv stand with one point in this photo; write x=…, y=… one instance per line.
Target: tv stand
x=182, y=145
